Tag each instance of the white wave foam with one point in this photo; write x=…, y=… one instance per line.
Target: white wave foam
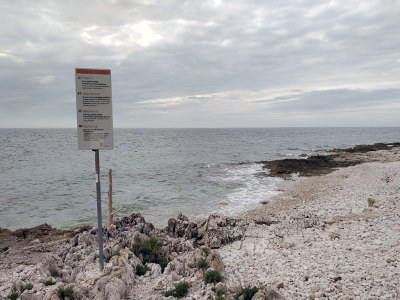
x=255, y=188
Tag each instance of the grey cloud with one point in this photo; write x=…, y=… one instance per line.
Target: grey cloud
x=205, y=49
x=331, y=100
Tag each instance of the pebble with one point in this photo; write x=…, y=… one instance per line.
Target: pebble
x=358, y=250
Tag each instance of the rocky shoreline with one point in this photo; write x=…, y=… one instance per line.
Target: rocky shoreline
x=325, y=164
x=335, y=236
x=72, y=260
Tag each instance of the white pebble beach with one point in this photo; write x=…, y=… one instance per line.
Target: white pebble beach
x=336, y=236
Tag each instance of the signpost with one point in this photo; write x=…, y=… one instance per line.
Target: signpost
x=95, y=124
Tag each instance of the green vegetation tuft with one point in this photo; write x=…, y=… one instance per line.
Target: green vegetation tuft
x=220, y=294
x=163, y=263
x=111, y=256
x=212, y=277
x=49, y=282
x=247, y=293
x=66, y=292
x=13, y=296
x=28, y=287
x=149, y=252
x=141, y=270
x=202, y=264
x=206, y=251
x=180, y=290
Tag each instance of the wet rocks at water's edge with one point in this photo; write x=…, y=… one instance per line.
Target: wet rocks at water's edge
x=184, y=244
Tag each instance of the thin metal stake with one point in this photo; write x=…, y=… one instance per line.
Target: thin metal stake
x=110, y=212
x=99, y=221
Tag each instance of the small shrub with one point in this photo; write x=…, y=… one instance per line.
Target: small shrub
x=149, y=252
x=163, y=263
x=13, y=296
x=141, y=270
x=26, y=287
x=220, y=294
x=202, y=264
x=66, y=292
x=180, y=290
x=111, y=256
x=206, y=251
x=49, y=282
x=247, y=293
x=212, y=277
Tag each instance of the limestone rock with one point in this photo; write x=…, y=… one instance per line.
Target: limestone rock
x=87, y=277
x=181, y=227
x=219, y=230
x=137, y=237
x=155, y=270
x=29, y=295
x=260, y=295
x=271, y=294
x=112, y=228
x=334, y=236
x=214, y=260
x=371, y=202
x=315, y=288
x=215, y=243
x=115, y=289
x=51, y=294
x=280, y=285
x=195, y=258
x=51, y=267
x=220, y=286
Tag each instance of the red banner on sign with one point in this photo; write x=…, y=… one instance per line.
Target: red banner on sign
x=93, y=71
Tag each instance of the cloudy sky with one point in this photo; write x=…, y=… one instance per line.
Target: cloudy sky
x=216, y=63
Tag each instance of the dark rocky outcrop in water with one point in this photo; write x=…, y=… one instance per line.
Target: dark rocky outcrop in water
x=321, y=164
x=367, y=148
x=314, y=165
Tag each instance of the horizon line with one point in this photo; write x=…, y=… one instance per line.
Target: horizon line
x=250, y=127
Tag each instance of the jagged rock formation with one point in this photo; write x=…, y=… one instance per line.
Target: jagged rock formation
x=75, y=262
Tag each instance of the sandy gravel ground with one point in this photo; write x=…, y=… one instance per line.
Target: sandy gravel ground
x=335, y=236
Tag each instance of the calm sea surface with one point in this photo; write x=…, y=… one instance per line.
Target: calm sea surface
x=158, y=172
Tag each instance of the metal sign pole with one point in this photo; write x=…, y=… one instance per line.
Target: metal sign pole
x=99, y=221
x=95, y=125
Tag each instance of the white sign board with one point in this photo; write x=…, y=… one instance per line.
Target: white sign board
x=94, y=109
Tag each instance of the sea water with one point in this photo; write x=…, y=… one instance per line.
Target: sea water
x=158, y=172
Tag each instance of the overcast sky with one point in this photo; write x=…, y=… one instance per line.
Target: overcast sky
x=215, y=63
